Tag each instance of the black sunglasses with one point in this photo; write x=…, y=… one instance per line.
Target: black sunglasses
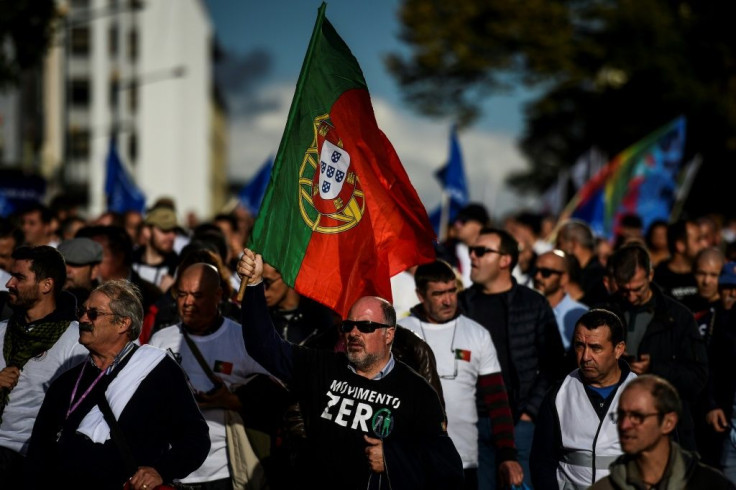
x=545, y=272
x=481, y=251
x=91, y=313
x=364, y=326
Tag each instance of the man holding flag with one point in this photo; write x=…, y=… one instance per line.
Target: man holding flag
x=339, y=218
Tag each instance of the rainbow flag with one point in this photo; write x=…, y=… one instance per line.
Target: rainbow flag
x=640, y=180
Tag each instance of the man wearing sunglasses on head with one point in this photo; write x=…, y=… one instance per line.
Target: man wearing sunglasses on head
x=37, y=344
x=468, y=368
x=371, y=421
x=524, y=331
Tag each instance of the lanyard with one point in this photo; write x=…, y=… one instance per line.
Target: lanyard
x=73, y=406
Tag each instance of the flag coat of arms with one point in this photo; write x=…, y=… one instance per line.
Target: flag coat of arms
x=340, y=216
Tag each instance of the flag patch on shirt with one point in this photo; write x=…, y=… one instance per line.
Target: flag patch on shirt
x=463, y=355
x=223, y=367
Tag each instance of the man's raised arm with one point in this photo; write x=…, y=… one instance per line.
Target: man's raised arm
x=261, y=338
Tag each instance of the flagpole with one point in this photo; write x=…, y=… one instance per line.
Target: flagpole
x=444, y=216
x=687, y=177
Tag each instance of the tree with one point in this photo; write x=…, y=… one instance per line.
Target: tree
x=611, y=71
x=25, y=33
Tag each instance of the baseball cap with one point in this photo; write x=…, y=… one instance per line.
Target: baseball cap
x=81, y=251
x=728, y=275
x=163, y=218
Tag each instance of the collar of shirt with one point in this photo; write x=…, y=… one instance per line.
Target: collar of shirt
x=383, y=372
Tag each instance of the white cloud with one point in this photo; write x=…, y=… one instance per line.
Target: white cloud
x=422, y=145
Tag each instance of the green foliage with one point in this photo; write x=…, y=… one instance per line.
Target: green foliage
x=25, y=33
x=611, y=71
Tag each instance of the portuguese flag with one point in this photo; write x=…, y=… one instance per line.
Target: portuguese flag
x=340, y=216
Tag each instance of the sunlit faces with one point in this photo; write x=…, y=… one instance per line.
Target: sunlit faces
x=105, y=329
x=439, y=301
x=80, y=276
x=198, y=295
x=367, y=350
x=706, y=277
x=35, y=231
x=162, y=240
x=638, y=290
x=24, y=291
x=640, y=427
x=596, y=355
x=486, y=269
x=549, y=276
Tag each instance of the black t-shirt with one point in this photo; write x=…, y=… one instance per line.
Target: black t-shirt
x=341, y=407
x=674, y=284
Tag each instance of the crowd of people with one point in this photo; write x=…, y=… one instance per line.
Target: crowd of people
x=529, y=353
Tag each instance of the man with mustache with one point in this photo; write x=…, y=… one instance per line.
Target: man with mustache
x=124, y=415
x=38, y=343
x=371, y=421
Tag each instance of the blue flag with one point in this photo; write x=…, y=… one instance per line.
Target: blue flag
x=251, y=195
x=122, y=193
x=454, y=185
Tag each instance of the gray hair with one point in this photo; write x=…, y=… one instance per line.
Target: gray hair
x=125, y=302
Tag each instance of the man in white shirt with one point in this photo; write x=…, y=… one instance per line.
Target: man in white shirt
x=219, y=341
x=468, y=367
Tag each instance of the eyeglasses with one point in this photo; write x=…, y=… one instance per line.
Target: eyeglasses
x=364, y=326
x=545, y=272
x=636, y=418
x=92, y=313
x=481, y=251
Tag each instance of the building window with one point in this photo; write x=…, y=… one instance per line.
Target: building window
x=133, y=96
x=112, y=41
x=114, y=93
x=80, y=93
x=133, y=147
x=79, y=144
x=133, y=45
x=80, y=41
x=80, y=4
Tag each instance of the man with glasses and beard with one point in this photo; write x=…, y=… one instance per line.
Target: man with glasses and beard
x=468, y=368
x=37, y=344
x=524, y=331
x=371, y=421
x=648, y=412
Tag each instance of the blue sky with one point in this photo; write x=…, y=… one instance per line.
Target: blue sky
x=282, y=29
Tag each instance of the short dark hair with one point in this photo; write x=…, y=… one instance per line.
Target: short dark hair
x=649, y=236
x=232, y=220
x=437, y=271
x=44, y=211
x=599, y=317
x=8, y=230
x=666, y=398
x=46, y=263
x=625, y=260
x=508, y=246
x=677, y=232
x=118, y=240
x=389, y=313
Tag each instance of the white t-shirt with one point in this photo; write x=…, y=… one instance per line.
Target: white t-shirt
x=459, y=363
x=226, y=355
x=35, y=378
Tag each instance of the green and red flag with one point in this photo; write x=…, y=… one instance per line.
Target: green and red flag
x=340, y=216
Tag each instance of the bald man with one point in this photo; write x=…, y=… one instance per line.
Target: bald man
x=551, y=277
x=706, y=269
x=371, y=421
x=219, y=342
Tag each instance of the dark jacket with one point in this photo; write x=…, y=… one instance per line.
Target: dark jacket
x=683, y=467
x=534, y=345
x=677, y=353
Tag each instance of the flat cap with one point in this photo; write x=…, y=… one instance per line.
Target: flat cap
x=81, y=251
